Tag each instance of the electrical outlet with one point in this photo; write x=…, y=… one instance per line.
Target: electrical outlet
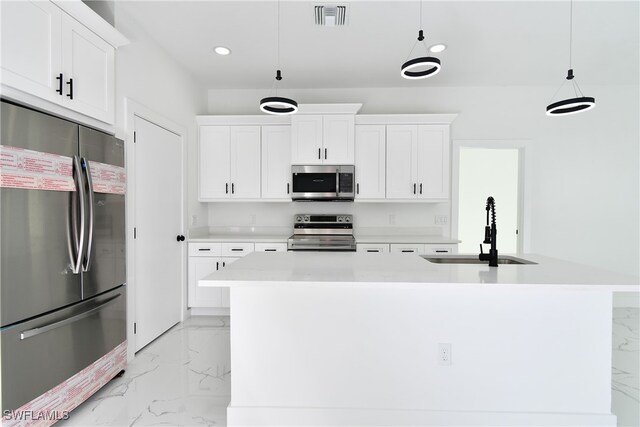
x=442, y=219
x=444, y=354
x=392, y=219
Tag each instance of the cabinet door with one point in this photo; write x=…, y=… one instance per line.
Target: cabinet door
x=30, y=56
x=203, y=296
x=306, y=139
x=276, y=162
x=433, y=162
x=214, y=162
x=370, y=161
x=89, y=61
x=338, y=137
x=225, y=295
x=401, y=161
x=245, y=162
x=410, y=248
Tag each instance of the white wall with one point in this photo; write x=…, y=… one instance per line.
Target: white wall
x=150, y=77
x=585, y=194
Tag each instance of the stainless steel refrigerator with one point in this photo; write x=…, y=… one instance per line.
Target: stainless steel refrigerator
x=62, y=251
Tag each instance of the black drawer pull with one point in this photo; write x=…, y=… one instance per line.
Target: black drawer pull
x=204, y=249
x=408, y=250
x=373, y=250
x=270, y=250
x=237, y=249
x=442, y=251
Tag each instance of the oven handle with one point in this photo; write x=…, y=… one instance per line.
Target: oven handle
x=337, y=182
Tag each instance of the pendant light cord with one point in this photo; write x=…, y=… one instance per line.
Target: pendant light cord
x=417, y=40
x=570, y=30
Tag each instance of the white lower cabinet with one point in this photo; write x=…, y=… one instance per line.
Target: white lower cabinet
x=271, y=247
x=424, y=249
x=206, y=258
x=380, y=248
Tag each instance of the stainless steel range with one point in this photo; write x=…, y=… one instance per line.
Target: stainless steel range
x=322, y=233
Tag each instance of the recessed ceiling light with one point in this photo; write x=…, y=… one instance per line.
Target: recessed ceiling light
x=438, y=47
x=221, y=50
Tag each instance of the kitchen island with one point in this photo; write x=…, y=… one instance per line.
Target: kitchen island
x=392, y=339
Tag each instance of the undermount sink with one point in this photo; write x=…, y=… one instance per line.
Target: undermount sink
x=473, y=259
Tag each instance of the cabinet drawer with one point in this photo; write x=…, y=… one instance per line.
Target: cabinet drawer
x=431, y=249
x=271, y=247
x=204, y=249
x=236, y=249
x=408, y=248
x=373, y=248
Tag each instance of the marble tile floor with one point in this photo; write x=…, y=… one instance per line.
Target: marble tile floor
x=184, y=378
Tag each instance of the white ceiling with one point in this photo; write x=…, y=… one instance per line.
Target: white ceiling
x=489, y=42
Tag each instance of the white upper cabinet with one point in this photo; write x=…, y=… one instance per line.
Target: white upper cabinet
x=276, y=162
x=323, y=139
x=370, y=151
x=88, y=66
x=31, y=48
x=418, y=162
x=229, y=162
x=401, y=161
x=48, y=54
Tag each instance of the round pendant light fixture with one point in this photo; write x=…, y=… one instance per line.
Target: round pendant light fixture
x=578, y=103
x=278, y=105
x=420, y=67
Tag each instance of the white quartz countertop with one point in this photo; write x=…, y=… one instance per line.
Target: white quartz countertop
x=241, y=238
x=282, y=238
x=410, y=270
x=409, y=239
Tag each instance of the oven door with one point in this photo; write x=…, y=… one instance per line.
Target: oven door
x=326, y=182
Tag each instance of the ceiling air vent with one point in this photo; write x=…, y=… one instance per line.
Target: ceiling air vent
x=331, y=16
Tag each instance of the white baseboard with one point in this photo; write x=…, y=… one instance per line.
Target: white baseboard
x=207, y=311
x=289, y=416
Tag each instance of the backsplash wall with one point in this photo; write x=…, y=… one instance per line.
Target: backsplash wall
x=265, y=214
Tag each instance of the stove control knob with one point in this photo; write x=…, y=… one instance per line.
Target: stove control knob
x=346, y=219
x=306, y=218
x=298, y=218
x=339, y=219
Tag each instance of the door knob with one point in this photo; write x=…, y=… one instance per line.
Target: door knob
x=180, y=238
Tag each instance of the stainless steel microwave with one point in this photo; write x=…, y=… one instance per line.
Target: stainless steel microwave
x=323, y=182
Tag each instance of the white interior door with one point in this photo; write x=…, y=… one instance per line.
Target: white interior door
x=158, y=221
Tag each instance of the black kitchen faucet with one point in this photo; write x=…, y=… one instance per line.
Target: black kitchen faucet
x=490, y=235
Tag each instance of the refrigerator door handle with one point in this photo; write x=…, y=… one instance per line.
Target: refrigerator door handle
x=42, y=329
x=86, y=264
x=75, y=228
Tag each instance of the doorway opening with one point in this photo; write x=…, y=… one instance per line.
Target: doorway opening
x=483, y=169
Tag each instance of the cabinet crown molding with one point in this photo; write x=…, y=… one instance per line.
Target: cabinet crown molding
x=405, y=119
x=329, y=108
x=90, y=19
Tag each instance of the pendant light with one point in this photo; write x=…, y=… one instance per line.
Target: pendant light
x=421, y=67
x=276, y=104
x=578, y=103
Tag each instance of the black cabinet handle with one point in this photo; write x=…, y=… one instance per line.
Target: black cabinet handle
x=180, y=238
x=373, y=250
x=408, y=250
x=204, y=249
x=70, y=83
x=442, y=251
x=233, y=188
x=270, y=250
x=318, y=153
x=358, y=188
x=414, y=188
x=226, y=188
x=59, y=79
x=287, y=188
x=325, y=154
x=237, y=249
x=224, y=263
x=420, y=188
x=217, y=265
